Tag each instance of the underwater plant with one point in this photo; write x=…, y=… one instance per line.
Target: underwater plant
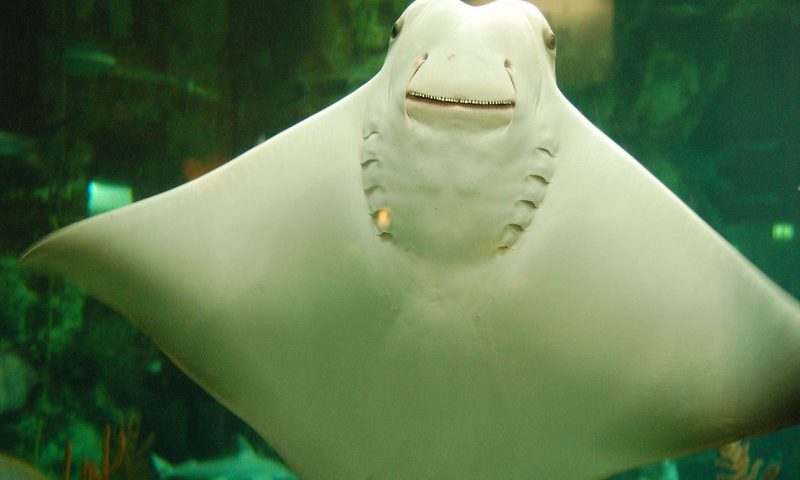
x=130, y=461
x=17, y=379
x=735, y=457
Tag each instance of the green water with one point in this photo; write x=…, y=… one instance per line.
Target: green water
x=147, y=95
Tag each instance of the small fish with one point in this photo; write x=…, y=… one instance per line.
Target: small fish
x=88, y=61
x=245, y=465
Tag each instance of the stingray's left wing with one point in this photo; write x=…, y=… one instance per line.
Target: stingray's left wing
x=676, y=340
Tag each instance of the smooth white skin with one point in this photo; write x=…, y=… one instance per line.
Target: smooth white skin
x=616, y=330
x=461, y=183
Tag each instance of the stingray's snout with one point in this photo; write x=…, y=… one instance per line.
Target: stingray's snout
x=467, y=88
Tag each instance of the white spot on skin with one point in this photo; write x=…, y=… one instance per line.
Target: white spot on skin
x=383, y=219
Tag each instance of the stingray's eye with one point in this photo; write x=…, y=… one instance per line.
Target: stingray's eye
x=550, y=41
x=398, y=25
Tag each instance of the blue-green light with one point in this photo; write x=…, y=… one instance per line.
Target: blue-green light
x=783, y=232
x=107, y=196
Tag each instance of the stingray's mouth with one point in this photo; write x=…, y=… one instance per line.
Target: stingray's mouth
x=463, y=113
x=469, y=103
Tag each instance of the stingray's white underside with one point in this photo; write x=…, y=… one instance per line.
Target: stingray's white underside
x=619, y=329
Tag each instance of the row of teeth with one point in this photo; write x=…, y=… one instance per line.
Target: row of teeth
x=462, y=101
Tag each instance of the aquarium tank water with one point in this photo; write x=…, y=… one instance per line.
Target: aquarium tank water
x=107, y=102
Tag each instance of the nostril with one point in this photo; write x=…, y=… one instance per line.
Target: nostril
x=451, y=56
x=419, y=61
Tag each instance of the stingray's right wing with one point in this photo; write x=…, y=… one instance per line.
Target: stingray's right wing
x=224, y=272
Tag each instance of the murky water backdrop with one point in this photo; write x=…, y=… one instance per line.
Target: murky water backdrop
x=103, y=102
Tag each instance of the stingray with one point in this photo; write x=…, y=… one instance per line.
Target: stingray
x=450, y=274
